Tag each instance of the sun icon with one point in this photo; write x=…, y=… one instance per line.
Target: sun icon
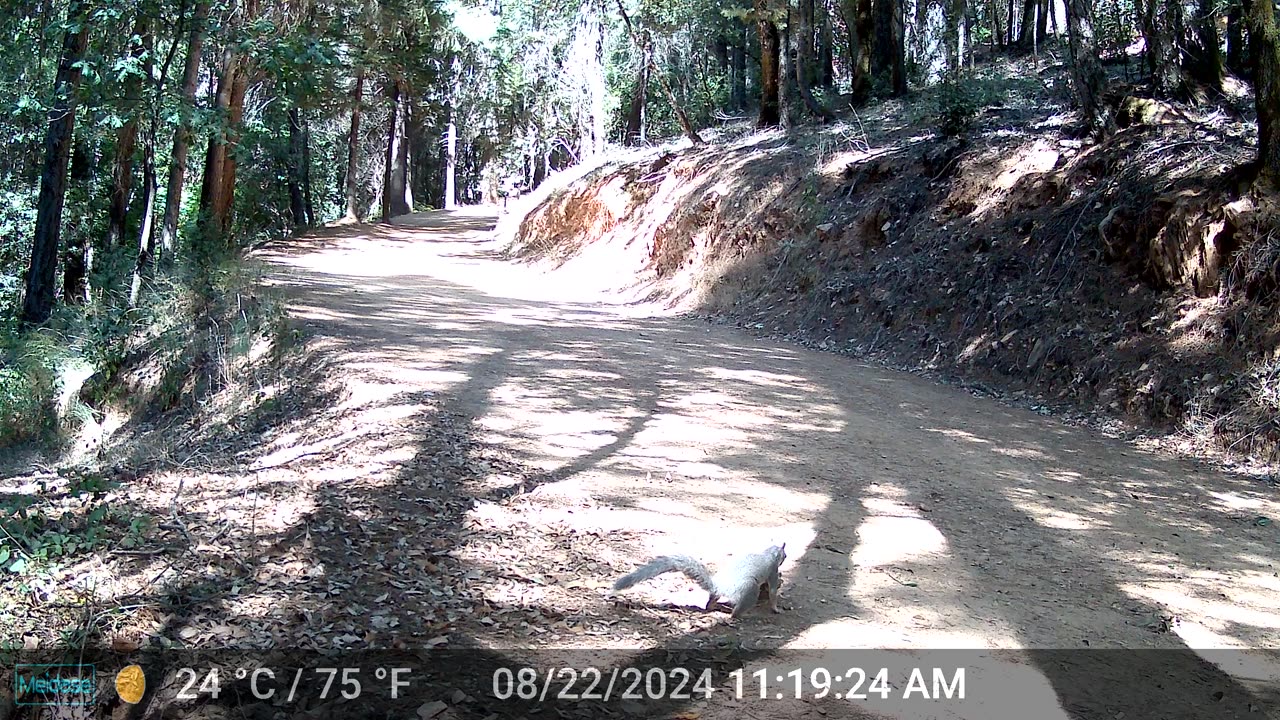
x=131, y=684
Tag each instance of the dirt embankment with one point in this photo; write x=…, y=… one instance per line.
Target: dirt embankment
x=1133, y=280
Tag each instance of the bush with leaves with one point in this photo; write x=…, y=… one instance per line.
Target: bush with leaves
x=956, y=104
x=29, y=369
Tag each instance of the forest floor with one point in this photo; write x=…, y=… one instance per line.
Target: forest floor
x=468, y=451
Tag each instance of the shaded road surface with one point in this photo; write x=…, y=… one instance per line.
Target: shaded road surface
x=593, y=434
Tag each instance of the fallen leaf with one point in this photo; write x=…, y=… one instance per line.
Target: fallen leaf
x=121, y=644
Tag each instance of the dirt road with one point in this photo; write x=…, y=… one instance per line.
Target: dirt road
x=593, y=434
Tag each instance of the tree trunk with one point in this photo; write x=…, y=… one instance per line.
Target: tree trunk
x=827, y=51
x=227, y=194
x=395, y=184
x=126, y=141
x=222, y=205
x=861, y=26
x=215, y=155
x=1086, y=67
x=739, y=59
x=77, y=256
x=994, y=8
x=150, y=184
x=407, y=157
x=146, y=235
x=1208, y=66
x=888, y=61
x=531, y=151
x=676, y=106
x=218, y=190
x=1161, y=24
x=787, y=74
x=37, y=304
x=121, y=180
x=536, y=169
x=297, y=207
x=1265, y=36
x=1027, y=27
x=306, y=172
x=182, y=135
x=967, y=52
x=1010, y=14
x=1237, y=49
x=803, y=37
x=770, y=55
x=804, y=63
x=955, y=12
x=451, y=138
x=450, y=163
x=589, y=32
x=720, y=48
x=635, y=132
x=810, y=102
x=353, y=149
x=1234, y=60
x=599, y=87
x=1043, y=9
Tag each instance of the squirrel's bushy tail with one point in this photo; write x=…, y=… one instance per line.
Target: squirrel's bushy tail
x=690, y=567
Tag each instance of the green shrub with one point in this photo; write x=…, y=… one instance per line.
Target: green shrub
x=195, y=323
x=956, y=104
x=29, y=371
x=58, y=523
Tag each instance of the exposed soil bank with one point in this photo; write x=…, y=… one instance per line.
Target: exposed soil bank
x=1132, y=281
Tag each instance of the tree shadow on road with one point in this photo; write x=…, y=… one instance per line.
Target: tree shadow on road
x=491, y=465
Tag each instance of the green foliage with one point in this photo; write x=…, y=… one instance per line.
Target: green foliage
x=1114, y=23
x=955, y=105
x=199, y=319
x=17, y=216
x=58, y=523
x=306, y=65
x=30, y=367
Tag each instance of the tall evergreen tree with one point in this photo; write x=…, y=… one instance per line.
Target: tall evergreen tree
x=42, y=273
